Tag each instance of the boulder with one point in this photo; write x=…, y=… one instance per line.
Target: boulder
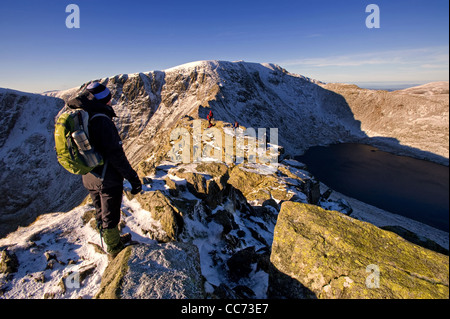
x=416, y=239
x=8, y=262
x=163, y=210
x=257, y=185
x=213, y=168
x=322, y=254
x=172, y=187
x=155, y=271
x=204, y=180
x=195, y=182
x=281, y=183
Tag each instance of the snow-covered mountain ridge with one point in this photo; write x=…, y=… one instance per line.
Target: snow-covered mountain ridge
x=149, y=104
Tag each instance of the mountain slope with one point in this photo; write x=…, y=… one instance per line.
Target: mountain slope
x=256, y=95
x=32, y=182
x=414, y=119
x=205, y=209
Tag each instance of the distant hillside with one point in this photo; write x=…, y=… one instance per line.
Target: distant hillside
x=416, y=117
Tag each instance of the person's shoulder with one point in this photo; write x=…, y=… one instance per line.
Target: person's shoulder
x=103, y=116
x=100, y=119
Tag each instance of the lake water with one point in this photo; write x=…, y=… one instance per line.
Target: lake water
x=402, y=185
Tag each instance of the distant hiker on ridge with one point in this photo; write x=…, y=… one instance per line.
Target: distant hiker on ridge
x=210, y=117
x=105, y=182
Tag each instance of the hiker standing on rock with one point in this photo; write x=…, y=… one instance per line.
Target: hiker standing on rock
x=105, y=182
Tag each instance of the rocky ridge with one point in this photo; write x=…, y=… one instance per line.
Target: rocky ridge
x=150, y=104
x=231, y=228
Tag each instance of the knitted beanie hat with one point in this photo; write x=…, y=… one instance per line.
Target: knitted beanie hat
x=100, y=92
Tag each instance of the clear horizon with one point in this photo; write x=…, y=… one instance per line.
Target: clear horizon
x=328, y=40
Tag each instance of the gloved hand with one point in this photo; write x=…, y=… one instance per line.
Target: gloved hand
x=136, y=185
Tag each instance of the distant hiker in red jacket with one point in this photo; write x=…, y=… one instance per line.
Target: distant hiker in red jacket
x=210, y=117
x=105, y=182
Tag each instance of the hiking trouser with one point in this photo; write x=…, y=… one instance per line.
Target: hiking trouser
x=107, y=203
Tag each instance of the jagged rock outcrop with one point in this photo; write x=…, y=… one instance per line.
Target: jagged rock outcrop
x=158, y=271
x=324, y=254
x=227, y=236
x=261, y=183
x=164, y=211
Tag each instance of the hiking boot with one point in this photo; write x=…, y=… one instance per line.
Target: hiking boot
x=113, y=241
x=112, y=253
x=125, y=238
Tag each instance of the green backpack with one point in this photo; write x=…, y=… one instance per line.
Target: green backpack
x=73, y=149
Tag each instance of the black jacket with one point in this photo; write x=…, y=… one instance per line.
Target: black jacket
x=105, y=139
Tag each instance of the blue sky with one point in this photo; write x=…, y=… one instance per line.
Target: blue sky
x=325, y=40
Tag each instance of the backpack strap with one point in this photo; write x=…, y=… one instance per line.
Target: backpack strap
x=93, y=117
x=106, y=162
x=99, y=115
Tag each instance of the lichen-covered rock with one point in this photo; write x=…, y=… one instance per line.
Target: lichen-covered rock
x=195, y=182
x=164, y=211
x=8, y=262
x=415, y=239
x=158, y=271
x=257, y=185
x=325, y=254
x=260, y=183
